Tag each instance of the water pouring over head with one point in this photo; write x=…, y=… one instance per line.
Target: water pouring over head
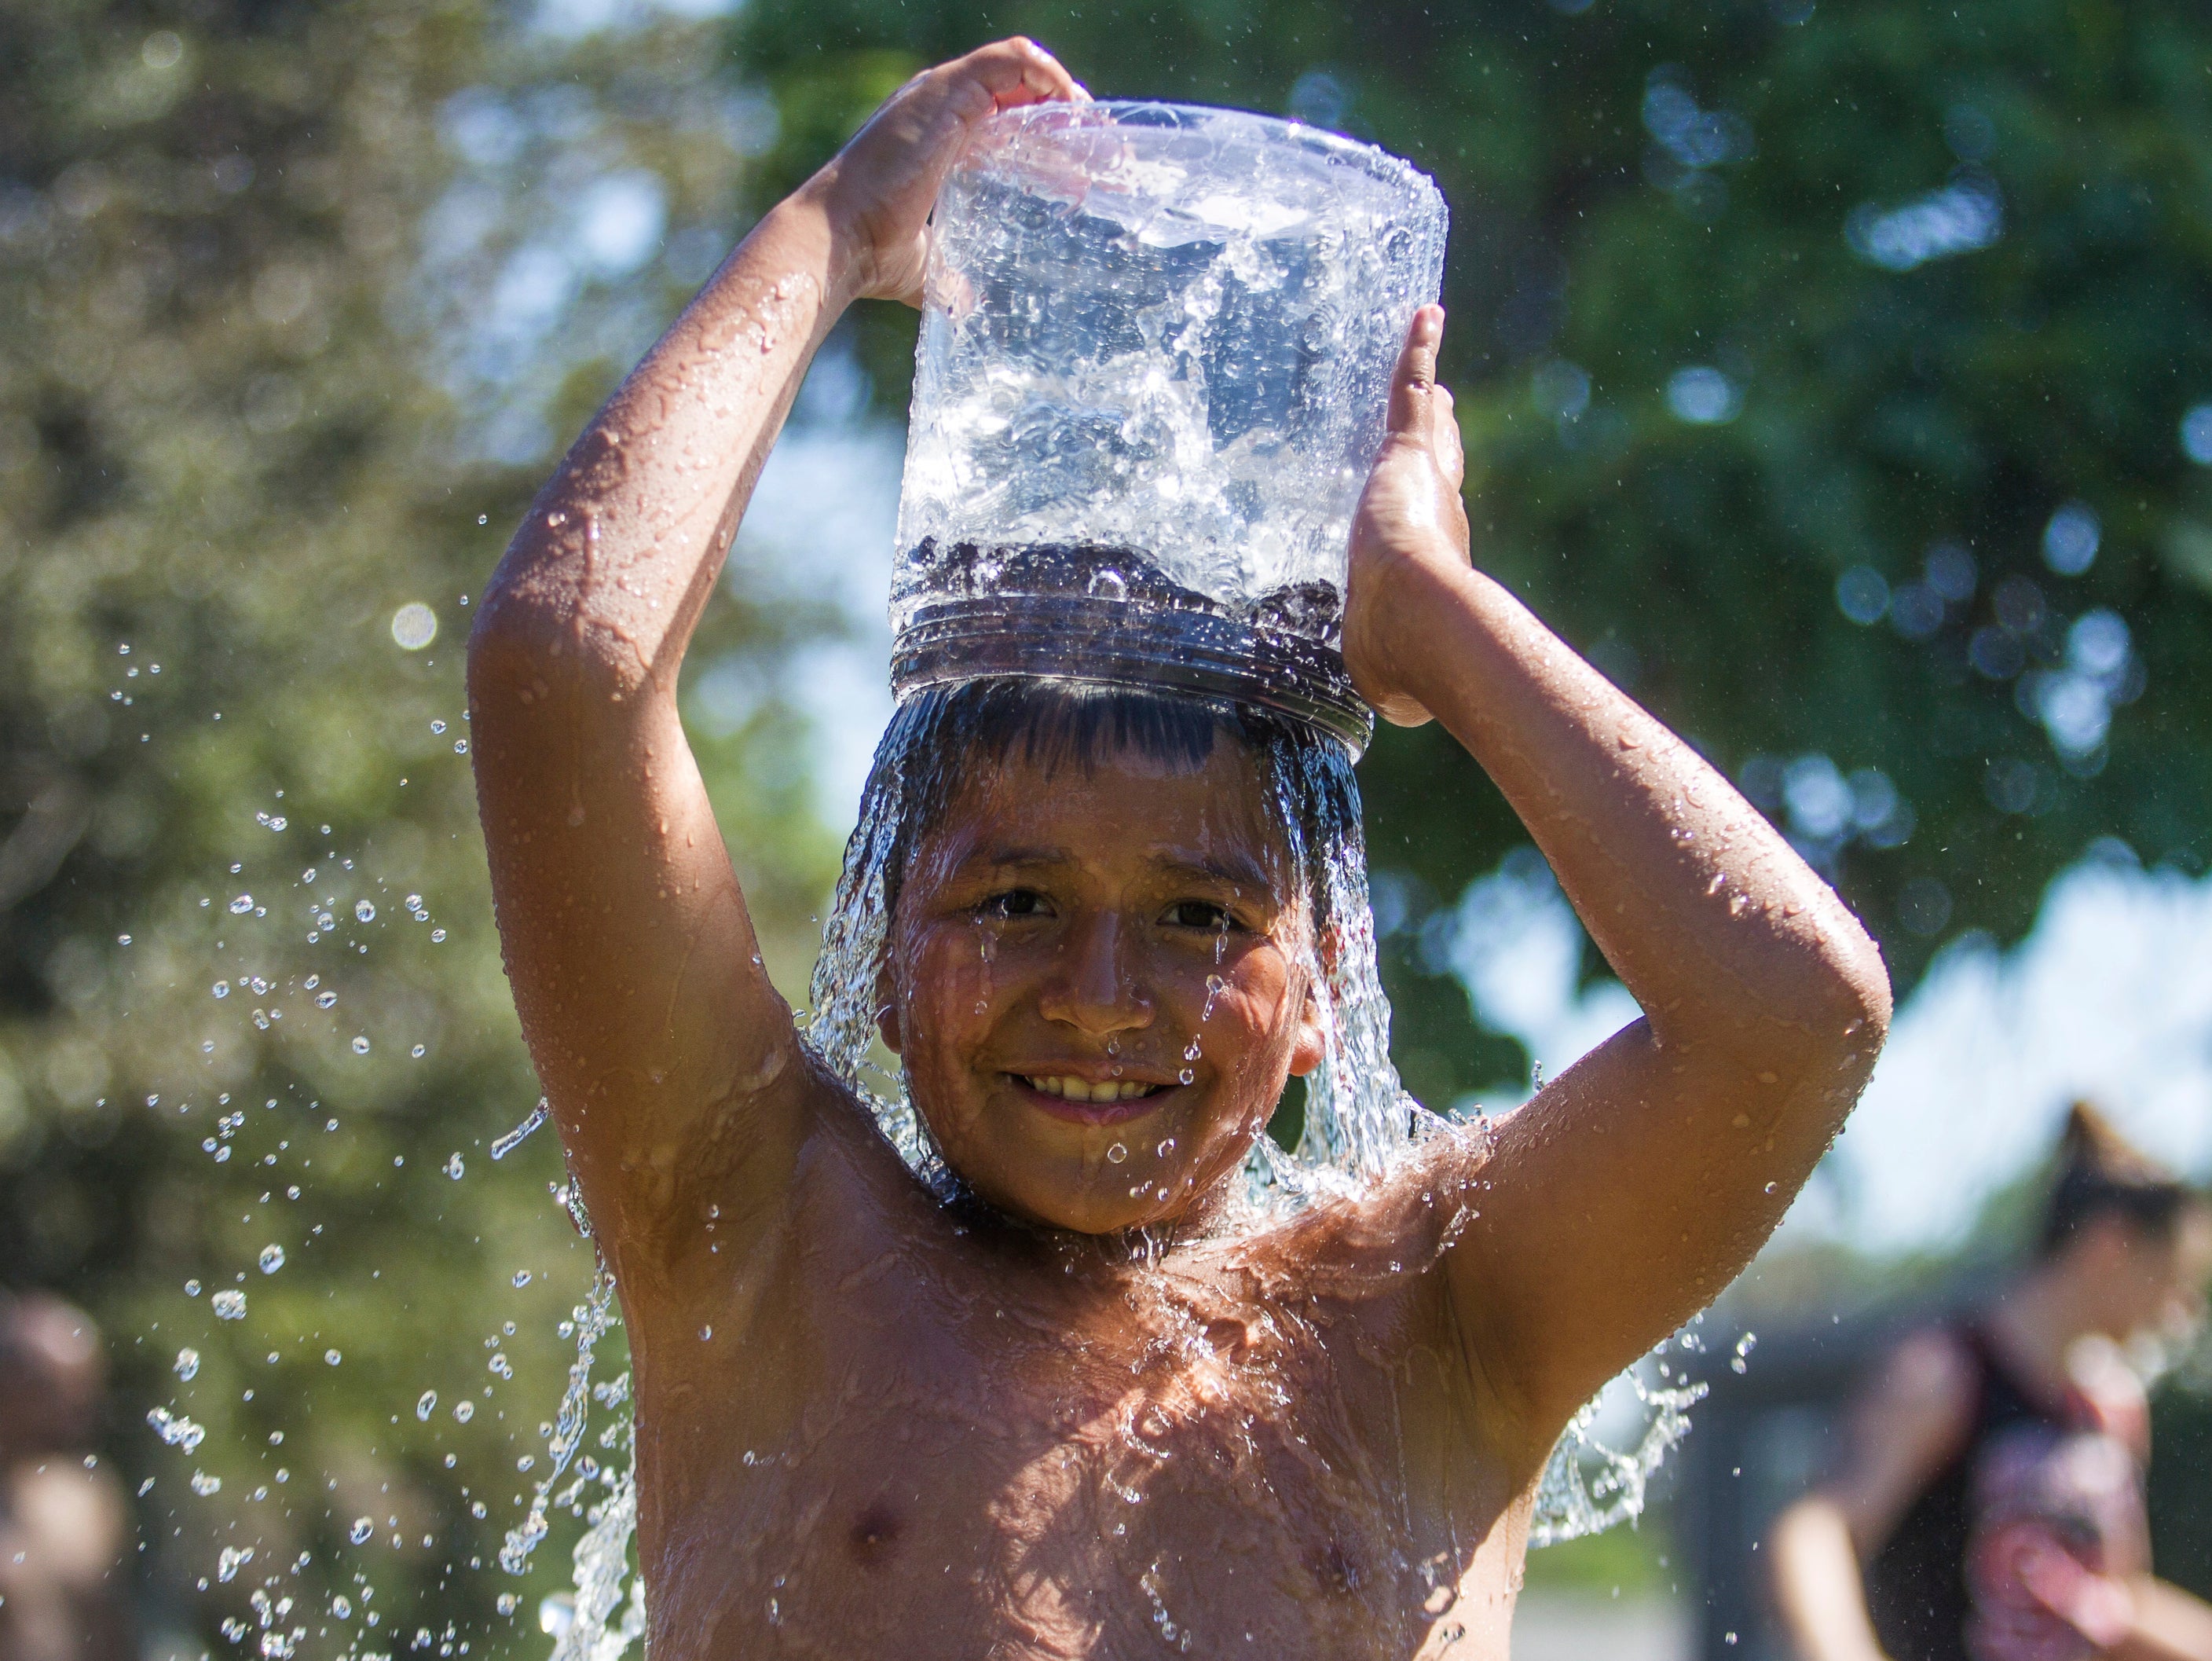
x=1114, y=826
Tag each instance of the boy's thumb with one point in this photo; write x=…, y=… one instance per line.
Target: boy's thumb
x=1415, y=377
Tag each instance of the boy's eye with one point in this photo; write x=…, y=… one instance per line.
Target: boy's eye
x=1014, y=903
x=1198, y=914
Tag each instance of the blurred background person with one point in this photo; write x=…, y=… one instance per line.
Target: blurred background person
x=1992, y=1507
x=64, y=1592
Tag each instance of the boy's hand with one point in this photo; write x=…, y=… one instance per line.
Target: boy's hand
x=877, y=191
x=1410, y=519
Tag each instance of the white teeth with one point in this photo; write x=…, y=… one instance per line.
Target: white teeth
x=1082, y=1090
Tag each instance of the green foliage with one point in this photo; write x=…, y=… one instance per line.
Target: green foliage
x=2180, y=1521
x=1882, y=410
x=250, y=994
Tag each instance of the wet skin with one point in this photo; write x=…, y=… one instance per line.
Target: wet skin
x=929, y=1433
x=869, y=1425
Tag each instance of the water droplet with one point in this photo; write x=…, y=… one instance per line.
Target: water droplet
x=188, y=1363
x=1116, y=1154
x=1185, y=1076
x=272, y=1259
x=1165, y=1147
x=705, y=1334
x=500, y=1364
x=521, y=1277
x=364, y=911
x=192, y=1288
x=230, y=1304
x=360, y=1045
x=453, y=1167
x=242, y=905
x=325, y=1000
x=361, y=1529
x=437, y=726
x=222, y=988
x=464, y=1411
x=426, y=1404
x=332, y=1357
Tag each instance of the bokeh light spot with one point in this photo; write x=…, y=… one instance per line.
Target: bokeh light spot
x=414, y=626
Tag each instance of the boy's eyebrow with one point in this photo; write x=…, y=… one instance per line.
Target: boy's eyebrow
x=1233, y=869
x=998, y=858
x=1230, y=869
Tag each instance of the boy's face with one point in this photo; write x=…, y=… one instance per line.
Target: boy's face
x=1096, y=984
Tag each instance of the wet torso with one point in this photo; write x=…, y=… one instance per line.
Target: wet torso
x=906, y=1432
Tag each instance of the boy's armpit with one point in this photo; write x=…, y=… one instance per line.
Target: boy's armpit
x=1625, y=1197
x=636, y=969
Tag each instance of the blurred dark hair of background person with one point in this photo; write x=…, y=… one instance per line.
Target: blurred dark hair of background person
x=64, y=1595
x=1991, y=1505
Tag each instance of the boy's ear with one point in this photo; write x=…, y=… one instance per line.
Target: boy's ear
x=887, y=1020
x=1309, y=1046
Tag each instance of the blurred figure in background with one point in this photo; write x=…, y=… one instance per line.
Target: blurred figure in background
x=1992, y=1508
x=65, y=1591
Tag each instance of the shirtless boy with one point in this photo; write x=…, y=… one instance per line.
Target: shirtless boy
x=871, y=1425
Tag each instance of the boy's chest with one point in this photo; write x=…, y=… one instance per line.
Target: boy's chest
x=922, y=1474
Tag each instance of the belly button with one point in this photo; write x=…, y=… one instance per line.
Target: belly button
x=877, y=1529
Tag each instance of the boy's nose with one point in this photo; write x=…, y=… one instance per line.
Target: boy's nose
x=1090, y=987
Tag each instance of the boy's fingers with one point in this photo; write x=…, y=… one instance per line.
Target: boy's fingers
x=1416, y=374
x=1019, y=71
x=1451, y=454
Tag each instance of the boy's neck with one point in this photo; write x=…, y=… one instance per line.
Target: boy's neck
x=1209, y=1217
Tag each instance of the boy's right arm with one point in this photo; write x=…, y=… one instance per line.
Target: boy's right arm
x=672, y=1066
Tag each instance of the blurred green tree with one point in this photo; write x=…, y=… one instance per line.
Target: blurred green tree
x=1824, y=376
x=293, y=302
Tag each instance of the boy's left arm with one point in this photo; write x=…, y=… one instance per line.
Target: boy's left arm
x=1636, y=1185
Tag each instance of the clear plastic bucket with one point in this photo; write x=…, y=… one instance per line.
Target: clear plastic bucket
x=1155, y=356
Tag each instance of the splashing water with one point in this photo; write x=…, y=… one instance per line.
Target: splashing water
x=1359, y=1121
x=507, y=1143
x=604, y=1615
x=1587, y=1487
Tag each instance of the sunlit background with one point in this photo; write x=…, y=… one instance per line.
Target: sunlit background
x=1839, y=379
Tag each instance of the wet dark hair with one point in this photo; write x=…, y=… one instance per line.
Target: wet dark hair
x=941, y=735
x=2101, y=1174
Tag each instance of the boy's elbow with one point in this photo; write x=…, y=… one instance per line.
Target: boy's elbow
x=525, y=649
x=1843, y=1003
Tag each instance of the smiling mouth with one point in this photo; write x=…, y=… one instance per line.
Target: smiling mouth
x=1083, y=1089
